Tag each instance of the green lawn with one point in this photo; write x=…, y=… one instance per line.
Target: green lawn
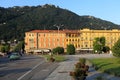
x=58, y=58
x=108, y=65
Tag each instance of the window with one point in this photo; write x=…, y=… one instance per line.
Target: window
x=81, y=46
x=29, y=34
x=31, y=40
x=72, y=39
x=75, y=39
x=66, y=39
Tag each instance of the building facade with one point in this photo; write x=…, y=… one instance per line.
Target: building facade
x=38, y=40
x=81, y=39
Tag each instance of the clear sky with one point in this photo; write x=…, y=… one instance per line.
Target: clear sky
x=105, y=9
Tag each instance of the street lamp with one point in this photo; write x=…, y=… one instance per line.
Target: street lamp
x=58, y=27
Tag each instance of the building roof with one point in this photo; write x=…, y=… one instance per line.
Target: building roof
x=54, y=31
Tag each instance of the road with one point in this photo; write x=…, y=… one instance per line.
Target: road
x=25, y=69
x=36, y=68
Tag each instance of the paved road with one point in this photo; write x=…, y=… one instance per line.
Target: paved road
x=27, y=68
x=12, y=70
x=36, y=68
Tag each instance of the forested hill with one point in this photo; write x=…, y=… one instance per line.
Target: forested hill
x=16, y=20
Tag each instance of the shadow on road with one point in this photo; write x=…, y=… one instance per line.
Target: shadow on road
x=6, y=72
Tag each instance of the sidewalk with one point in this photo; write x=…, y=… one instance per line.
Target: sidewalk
x=62, y=72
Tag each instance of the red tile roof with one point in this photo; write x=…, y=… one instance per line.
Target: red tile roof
x=54, y=31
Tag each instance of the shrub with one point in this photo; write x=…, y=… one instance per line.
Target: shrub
x=80, y=71
x=116, y=49
x=58, y=50
x=52, y=59
x=70, y=49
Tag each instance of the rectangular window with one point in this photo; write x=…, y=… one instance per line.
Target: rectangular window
x=31, y=40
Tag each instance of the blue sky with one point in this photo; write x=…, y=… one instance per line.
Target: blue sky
x=104, y=9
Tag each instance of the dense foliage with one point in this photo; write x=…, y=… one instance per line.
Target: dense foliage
x=58, y=50
x=19, y=47
x=116, y=49
x=70, y=49
x=106, y=49
x=15, y=21
x=4, y=48
x=80, y=71
x=99, y=45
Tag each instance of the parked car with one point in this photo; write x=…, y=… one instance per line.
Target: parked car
x=14, y=56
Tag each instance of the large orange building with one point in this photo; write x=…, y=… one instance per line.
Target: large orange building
x=37, y=40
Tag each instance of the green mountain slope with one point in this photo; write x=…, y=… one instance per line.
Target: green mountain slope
x=17, y=20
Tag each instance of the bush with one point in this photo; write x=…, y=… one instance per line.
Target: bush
x=80, y=71
x=58, y=50
x=70, y=49
x=52, y=59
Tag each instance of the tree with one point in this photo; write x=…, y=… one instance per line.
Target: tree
x=2, y=49
x=58, y=50
x=102, y=41
x=70, y=49
x=19, y=46
x=98, y=44
x=116, y=49
x=5, y=48
x=105, y=49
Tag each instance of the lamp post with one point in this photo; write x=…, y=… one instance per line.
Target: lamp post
x=58, y=28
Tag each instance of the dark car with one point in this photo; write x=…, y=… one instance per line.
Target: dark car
x=14, y=56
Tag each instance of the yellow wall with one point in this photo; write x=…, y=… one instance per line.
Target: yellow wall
x=81, y=40
x=87, y=36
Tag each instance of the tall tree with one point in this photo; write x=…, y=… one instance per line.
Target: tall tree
x=70, y=49
x=116, y=49
x=102, y=41
x=98, y=44
x=19, y=46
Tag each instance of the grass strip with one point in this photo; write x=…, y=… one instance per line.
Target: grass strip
x=107, y=65
x=58, y=58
